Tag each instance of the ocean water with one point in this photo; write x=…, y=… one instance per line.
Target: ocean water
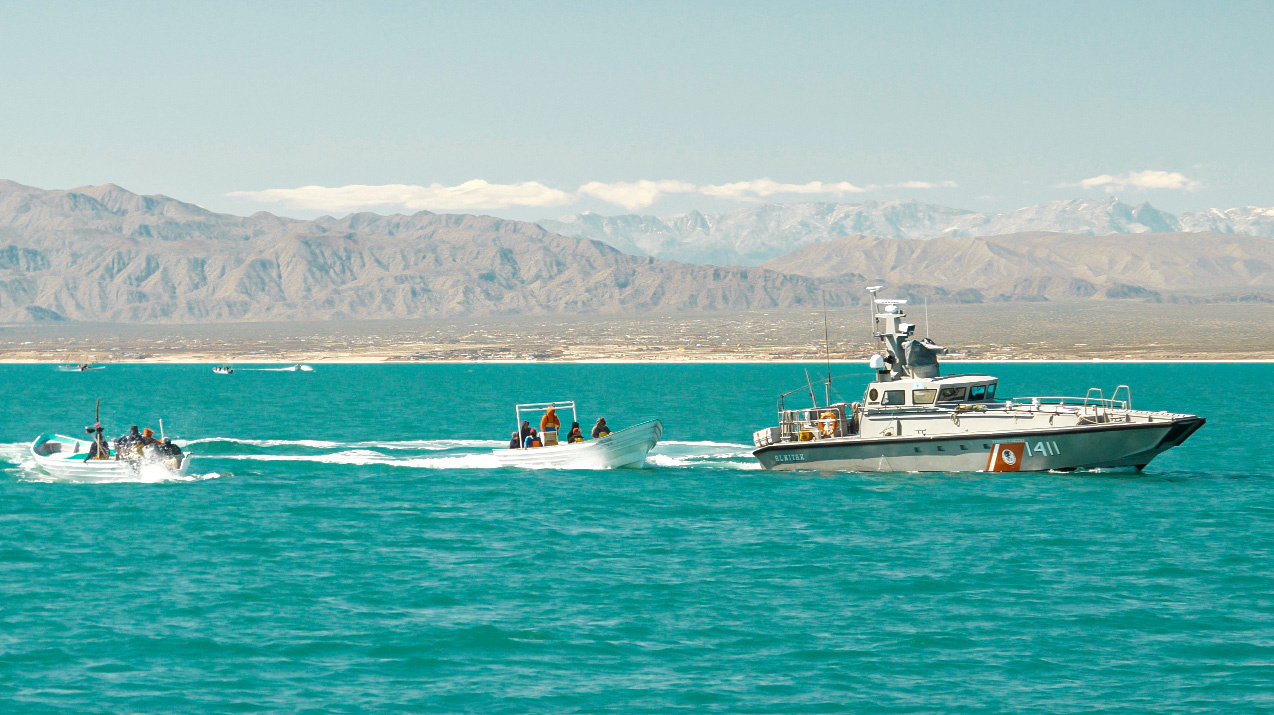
x=345, y=544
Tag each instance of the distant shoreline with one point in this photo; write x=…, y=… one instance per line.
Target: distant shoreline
x=1069, y=333
x=617, y=361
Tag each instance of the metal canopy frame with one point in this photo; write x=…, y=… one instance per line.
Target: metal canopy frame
x=535, y=407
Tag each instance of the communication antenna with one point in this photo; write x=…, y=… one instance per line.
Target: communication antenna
x=871, y=306
x=827, y=347
x=926, y=317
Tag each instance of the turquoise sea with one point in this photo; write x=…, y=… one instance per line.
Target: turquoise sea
x=345, y=545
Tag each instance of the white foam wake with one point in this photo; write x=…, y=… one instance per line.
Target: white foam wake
x=315, y=443
x=669, y=461
x=433, y=445
x=363, y=457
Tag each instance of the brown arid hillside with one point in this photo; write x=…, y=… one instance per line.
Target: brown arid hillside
x=105, y=254
x=1051, y=266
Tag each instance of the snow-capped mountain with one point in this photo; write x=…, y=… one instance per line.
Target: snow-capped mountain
x=752, y=235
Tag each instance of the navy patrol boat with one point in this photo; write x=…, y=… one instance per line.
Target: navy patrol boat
x=914, y=419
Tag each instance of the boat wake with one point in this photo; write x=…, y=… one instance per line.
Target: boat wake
x=710, y=455
x=437, y=454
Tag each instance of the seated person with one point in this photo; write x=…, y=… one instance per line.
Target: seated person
x=98, y=449
x=575, y=435
x=168, y=449
x=600, y=429
x=129, y=445
x=514, y=442
x=148, y=437
x=532, y=440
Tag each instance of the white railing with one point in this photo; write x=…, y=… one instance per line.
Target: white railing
x=811, y=424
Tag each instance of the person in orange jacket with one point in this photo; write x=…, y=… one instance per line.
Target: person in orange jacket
x=549, y=422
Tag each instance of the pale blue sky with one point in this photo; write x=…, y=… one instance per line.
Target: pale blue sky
x=1005, y=100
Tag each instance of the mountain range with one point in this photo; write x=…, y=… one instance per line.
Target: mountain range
x=1049, y=266
x=102, y=253
x=752, y=235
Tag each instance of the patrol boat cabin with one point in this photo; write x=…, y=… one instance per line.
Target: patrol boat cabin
x=913, y=418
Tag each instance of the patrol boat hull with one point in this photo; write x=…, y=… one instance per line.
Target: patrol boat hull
x=912, y=418
x=626, y=448
x=64, y=458
x=1099, y=446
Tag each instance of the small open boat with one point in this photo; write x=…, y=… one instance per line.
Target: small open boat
x=627, y=447
x=82, y=367
x=223, y=370
x=65, y=457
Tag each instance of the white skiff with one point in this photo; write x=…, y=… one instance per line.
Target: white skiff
x=64, y=457
x=626, y=448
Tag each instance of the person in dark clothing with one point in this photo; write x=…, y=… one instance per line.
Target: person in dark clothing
x=514, y=442
x=148, y=437
x=524, y=432
x=600, y=429
x=124, y=446
x=98, y=449
x=168, y=449
x=575, y=435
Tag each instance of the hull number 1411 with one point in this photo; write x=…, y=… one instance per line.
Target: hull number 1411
x=1048, y=449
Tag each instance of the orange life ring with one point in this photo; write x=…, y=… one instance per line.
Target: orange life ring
x=827, y=423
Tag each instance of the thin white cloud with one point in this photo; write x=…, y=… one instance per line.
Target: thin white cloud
x=471, y=195
x=478, y=194
x=634, y=195
x=925, y=185
x=1148, y=179
x=762, y=188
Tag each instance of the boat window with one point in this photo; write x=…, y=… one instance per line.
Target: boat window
x=990, y=391
x=923, y=397
x=951, y=394
x=977, y=392
x=894, y=397
x=872, y=395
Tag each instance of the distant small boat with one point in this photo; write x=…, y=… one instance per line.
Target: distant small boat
x=82, y=367
x=223, y=370
x=627, y=447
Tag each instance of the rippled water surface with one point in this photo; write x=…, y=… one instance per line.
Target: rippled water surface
x=346, y=544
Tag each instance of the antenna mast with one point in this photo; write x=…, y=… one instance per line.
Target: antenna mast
x=827, y=347
x=926, y=317
x=871, y=307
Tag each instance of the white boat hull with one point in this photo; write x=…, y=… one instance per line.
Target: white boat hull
x=71, y=466
x=626, y=448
